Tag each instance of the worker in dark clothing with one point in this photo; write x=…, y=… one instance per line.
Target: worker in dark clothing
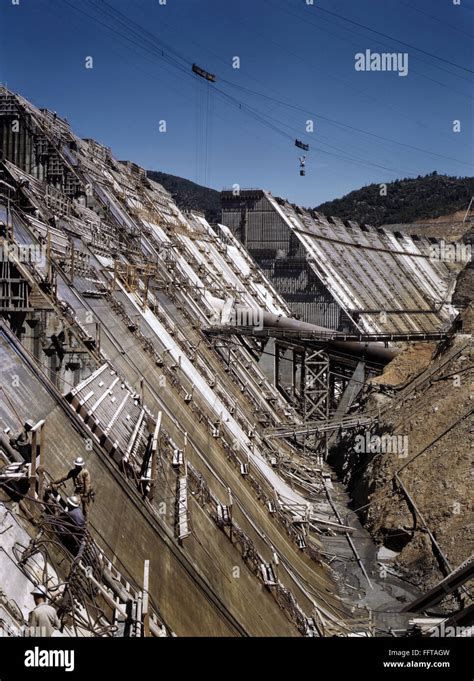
x=74, y=512
x=43, y=619
x=74, y=525
x=22, y=443
x=82, y=483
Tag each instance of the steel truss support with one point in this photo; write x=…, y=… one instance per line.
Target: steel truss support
x=319, y=386
x=316, y=386
x=316, y=395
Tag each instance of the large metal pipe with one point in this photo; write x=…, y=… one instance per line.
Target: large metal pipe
x=370, y=351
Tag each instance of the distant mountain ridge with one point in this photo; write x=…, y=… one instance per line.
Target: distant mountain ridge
x=189, y=195
x=407, y=200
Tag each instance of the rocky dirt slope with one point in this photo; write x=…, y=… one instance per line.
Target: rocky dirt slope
x=425, y=396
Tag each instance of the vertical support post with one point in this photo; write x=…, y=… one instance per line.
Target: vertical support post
x=33, y=465
x=154, y=455
x=37, y=442
x=41, y=444
x=114, y=281
x=48, y=254
x=277, y=365
x=231, y=501
x=138, y=615
x=145, y=612
x=145, y=293
x=40, y=483
x=71, y=274
x=295, y=371
x=302, y=384
x=54, y=282
x=9, y=217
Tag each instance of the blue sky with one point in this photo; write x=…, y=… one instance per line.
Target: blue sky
x=294, y=59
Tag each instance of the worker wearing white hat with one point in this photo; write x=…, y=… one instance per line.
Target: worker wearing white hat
x=43, y=619
x=72, y=502
x=82, y=482
x=74, y=512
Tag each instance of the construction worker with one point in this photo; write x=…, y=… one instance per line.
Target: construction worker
x=43, y=619
x=82, y=483
x=74, y=526
x=21, y=442
x=74, y=512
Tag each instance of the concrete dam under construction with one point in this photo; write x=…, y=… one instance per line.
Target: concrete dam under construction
x=253, y=428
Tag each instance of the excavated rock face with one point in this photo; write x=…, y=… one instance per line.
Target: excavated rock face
x=467, y=319
x=430, y=407
x=464, y=292
x=414, y=359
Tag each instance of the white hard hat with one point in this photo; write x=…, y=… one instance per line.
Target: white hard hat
x=39, y=590
x=73, y=501
x=79, y=461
